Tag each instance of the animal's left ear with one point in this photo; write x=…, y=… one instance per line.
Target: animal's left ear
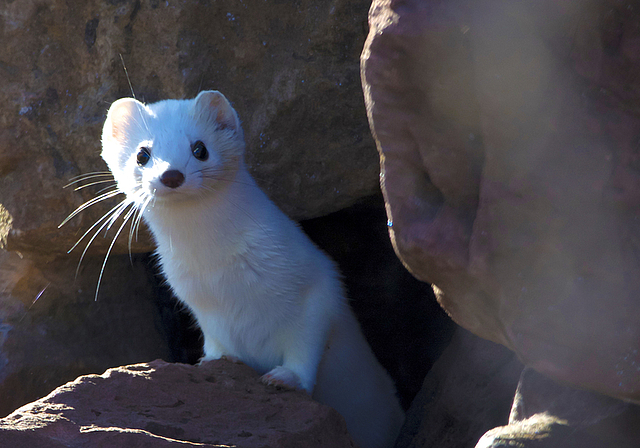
x=213, y=106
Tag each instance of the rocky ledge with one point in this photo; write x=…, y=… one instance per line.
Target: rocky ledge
x=158, y=404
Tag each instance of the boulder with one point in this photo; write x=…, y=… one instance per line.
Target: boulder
x=290, y=69
x=468, y=391
x=508, y=136
x=550, y=415
x=53, y=329
x=158, y=404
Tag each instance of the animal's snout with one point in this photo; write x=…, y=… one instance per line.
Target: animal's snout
x=172, y=178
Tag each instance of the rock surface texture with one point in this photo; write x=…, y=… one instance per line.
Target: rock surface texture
x=548, y=415
x=467, y=392
x=508, y=133
x=52, y=329
x=158, y=404
x=289, y=68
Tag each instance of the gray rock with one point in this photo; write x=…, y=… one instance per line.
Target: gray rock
x=52, y=329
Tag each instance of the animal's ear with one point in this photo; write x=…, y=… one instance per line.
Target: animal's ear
x=213, y=106
x=122, y=114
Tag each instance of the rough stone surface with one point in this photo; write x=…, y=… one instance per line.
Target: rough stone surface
x=290, y=69
x=52, y=329
x=546, y=414
x=159, y=404
x=468, y=391
x=508, y=133
x=539, y=431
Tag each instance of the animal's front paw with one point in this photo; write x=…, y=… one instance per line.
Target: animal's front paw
x=282, y=377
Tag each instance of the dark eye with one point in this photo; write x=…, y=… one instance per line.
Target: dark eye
x=200, y=151
x=143, y=156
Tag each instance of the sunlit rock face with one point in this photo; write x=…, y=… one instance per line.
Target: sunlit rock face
x=509, y=135
x=158, y=404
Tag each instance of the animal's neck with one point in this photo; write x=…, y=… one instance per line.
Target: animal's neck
x=215, y=222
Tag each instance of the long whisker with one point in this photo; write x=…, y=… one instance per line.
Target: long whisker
x=139, y=198
x=105, y=189
x=91, y=174
x=104, y=263
x=135, y=225
x=91, y=202
x=114, y=217
x=105, y=216
x=83, y=177
x=119, y=209
x=126, y=72
x=98, y=182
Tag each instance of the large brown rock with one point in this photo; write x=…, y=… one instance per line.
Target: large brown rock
x=159, y=404
x=290, y=69
x=508, y=134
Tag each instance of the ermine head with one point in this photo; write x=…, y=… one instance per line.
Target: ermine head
x=173, y=149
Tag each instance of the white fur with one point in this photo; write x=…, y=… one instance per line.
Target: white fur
x=258, y=287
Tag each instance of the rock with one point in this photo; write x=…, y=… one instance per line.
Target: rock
x=508, y=138
x=547, y=414
x=290, y=69
x=159, y=404
x=52, y=329
x=539, y=431
x=468, y=391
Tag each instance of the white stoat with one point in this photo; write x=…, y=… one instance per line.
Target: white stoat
x=259, y=289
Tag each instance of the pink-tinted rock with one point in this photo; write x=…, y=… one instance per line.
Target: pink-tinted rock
x=159, y=404
x=508, y=134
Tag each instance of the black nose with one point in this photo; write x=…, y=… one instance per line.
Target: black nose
x=172, y=178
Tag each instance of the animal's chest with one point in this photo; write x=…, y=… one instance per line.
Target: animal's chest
x=226, y=274
x=248, y=320
x=244, y=293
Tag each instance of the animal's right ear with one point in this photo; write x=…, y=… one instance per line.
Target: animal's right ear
x=122, y=114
